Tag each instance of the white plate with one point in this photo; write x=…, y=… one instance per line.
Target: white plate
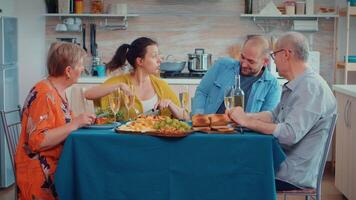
x=104, y=126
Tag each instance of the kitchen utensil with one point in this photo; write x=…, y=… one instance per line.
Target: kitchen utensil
x=199, y=61
x=172, y=67
x=68, y=39
x=83, y=38
x=93, y=44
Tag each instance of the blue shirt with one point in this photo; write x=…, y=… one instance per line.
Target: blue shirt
x=303, y=118
x=264, y=96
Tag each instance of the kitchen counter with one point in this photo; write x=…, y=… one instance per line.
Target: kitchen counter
x=175, y=81
x=346, y=89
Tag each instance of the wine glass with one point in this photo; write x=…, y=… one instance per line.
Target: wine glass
x=184, y=98
x=88, y=105
x=129, y=101
x=229, y=98
x=114, y=100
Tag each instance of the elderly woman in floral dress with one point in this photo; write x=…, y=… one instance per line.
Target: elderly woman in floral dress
x=47, y=121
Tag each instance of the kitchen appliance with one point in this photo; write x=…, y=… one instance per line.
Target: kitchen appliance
x=184, y=75
x=199, y=61
x=9, y=89
x=68, y=39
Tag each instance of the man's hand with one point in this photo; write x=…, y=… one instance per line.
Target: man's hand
x=238, y=115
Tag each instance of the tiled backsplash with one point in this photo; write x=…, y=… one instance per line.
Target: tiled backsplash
x=179, y=26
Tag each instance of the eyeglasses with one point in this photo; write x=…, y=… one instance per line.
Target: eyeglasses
x=275, y=52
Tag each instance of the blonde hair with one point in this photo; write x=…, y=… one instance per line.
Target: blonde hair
x=63, y=54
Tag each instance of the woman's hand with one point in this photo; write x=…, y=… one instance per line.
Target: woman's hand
x=126, y=89
x=163, y=103
x=238, y=115
x=84, y=119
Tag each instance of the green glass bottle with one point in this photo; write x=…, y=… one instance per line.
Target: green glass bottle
x=239, y=95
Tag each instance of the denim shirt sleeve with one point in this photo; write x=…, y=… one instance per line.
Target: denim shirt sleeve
x=272, y=98
x=202, y=91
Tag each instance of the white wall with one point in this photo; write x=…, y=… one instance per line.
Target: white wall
x=32, y=50
x=7, y=7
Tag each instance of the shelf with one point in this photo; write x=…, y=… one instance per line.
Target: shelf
x=107, y=26
x=352, y=10
x=88, y=15
x=350, y=66
x=258, y=16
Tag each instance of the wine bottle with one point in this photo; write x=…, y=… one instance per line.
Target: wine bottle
x=239, y=95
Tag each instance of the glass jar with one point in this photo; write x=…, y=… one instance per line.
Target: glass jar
x=290, y=7
x=97, y=6
x=78, y=6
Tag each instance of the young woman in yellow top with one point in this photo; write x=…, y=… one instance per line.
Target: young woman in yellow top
x=150, y=92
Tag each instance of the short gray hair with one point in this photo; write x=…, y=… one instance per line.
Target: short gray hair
x=298, y=44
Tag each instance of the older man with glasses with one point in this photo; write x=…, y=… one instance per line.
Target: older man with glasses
x=261, y=88
x=306, y=105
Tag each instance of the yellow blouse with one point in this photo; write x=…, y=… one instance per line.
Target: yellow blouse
x=161, y=88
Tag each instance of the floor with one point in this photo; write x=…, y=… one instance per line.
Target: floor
x=329, y=192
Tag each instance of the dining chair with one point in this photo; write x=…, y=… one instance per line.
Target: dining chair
x=11, y=124
x=315, y=193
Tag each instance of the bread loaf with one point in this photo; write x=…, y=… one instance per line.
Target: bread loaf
x=200, y=120
x=219, y=120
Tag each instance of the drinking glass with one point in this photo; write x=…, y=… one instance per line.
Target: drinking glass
x=184, y=98
x=129, y=101
x=229, y=98
x=114, y=100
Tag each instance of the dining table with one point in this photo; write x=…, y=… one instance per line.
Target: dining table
x=105, y=164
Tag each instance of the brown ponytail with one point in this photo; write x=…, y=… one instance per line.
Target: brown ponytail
x=137, y=49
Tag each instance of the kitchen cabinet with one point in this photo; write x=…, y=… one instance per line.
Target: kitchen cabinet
x=345, y=160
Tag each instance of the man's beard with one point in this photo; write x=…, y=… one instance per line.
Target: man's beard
x=251, y=73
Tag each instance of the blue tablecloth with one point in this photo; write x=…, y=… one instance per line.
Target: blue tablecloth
x=102, y=164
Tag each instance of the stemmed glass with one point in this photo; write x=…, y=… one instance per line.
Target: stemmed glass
x=229, y=97
x=114, y=100
x=129, y=101
x=184, y=99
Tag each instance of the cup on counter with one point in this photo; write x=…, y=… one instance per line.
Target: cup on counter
x=61, y=27
x=101, y=70
x=69, y=20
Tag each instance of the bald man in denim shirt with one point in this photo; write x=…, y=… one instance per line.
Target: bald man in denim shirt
x=261, y=88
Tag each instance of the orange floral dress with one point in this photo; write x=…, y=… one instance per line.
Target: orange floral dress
x=43, y=110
